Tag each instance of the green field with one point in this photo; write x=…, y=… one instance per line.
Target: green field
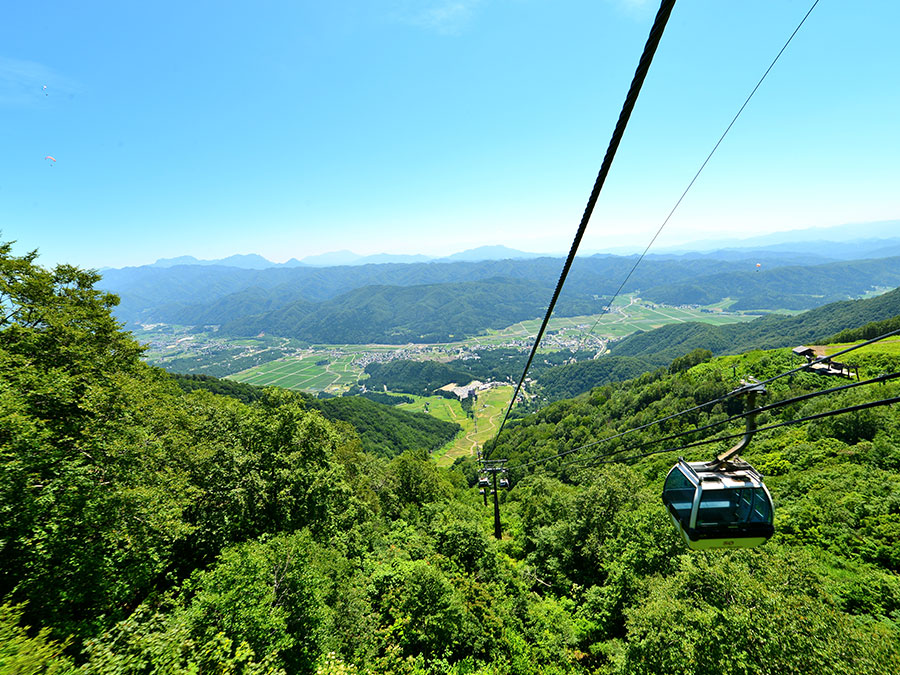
x=628, y=315
x=888, y=346
x=488, y=410
x=303, y=373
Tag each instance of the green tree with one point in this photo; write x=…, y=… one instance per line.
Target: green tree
x=22, y=652
x=89, y=505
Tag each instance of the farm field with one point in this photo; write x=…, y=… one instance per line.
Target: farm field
x=306, y=373
x=488, y=411
x=628, y=315
x=346, y=362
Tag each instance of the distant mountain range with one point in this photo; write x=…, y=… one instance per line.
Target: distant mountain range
x=853, y=241
x=849, y=233
x=252, y=261
x=341, y=297
x=809, y=246
x=210, y=294
x=429, y=302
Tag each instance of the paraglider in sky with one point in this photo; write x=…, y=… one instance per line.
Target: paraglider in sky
x=44, y=89
x=49, y=157
x=758, y=265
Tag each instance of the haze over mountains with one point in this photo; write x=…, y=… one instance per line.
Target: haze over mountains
x=427, y=302
x=399, y=299
x=853, y=239
x=844, y=242
x=252, y=261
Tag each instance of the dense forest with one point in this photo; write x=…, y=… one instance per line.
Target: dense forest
x=146, y=529
x=401, y=314
x=386, y=399
x=785, y=287
x=660, y=346
x=421, y=302
x=383, y=430
x=414, y=377
x=194, y=294
x=571, y=379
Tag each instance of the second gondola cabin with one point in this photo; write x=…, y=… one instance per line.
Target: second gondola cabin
x=719, y=505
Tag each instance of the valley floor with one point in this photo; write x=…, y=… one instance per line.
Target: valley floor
x=267, y=360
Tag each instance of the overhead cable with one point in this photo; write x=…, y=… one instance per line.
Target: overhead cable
x=771, y=406
x=735, y=392
x=628, y=431
x=601, y=178
x=656, y=32
x=826, y=358
x=601, y=458
x=697, y=175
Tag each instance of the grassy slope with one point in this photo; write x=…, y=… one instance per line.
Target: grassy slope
x=475, y=432
x=660, y=346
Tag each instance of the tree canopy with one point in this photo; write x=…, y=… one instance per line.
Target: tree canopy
x=144, y=528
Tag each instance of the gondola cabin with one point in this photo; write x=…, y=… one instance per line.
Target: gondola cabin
x=719, y=505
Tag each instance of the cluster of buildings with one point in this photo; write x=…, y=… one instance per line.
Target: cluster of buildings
x=410, y=351
x=472, y=388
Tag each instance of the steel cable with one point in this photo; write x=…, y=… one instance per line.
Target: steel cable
x=656, y=32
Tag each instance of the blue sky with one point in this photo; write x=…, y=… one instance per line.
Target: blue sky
x=293, y=128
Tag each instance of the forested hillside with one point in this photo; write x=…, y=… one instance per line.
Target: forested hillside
x=785, y=287
x=415, y=377
x=305, y=302
x=401, y=314
x=674, y=344
x=148, y=529
x=867, y=332
x=566, y=381
x=383, y=430
x=835, y=486
x=195, y=294
x=662, y=345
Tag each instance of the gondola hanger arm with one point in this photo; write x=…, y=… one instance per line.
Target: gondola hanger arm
x=751, y=387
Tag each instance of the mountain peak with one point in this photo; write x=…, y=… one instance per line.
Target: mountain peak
x=491, y=253
x=250, y=261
